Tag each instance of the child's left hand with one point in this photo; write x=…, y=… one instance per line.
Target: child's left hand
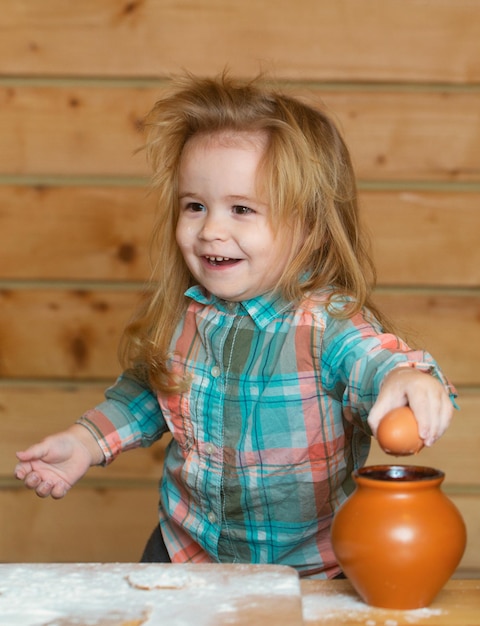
x=425, y=395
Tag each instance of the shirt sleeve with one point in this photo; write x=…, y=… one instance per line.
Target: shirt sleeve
x=357, y=356
x=130, y=417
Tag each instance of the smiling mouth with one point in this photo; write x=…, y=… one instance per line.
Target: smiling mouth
x=220, y=260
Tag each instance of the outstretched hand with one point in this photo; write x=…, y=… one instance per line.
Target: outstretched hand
x=54, y=465
x=425, y=395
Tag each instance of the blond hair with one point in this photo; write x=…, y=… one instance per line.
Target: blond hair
x=307, y=177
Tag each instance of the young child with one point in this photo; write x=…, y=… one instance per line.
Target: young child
x=259, y=348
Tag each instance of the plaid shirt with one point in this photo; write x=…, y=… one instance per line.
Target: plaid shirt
x=266, y=439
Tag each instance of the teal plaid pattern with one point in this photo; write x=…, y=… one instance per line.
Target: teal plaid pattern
x=265, y=441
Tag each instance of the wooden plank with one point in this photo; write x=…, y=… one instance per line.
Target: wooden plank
x=424, y=238
x=409, y=135
x=62, y=334
x=469, y=507
x=67, y=334
x=456, y=453
x=29, y=412
x=373, y=40
x=447, y=325
x=71, y=130
x=87, y=525
x=94, y=130
x=75, y=233
x=114, y=524
x=102, y=233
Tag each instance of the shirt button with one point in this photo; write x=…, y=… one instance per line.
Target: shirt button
x=215, y=371
x=212, y=518
x=209, y=448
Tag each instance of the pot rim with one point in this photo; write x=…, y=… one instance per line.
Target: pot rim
x=398, y=473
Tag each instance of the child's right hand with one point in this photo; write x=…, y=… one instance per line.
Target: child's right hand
x=54, y=465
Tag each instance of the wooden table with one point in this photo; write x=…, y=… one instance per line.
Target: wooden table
x=125, y=594
x=334, y=602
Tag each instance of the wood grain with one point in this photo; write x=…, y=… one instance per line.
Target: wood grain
x=74, y=333
x=424, y=238
x=113, y=524
x=95, y=130
x=31, y=411
x=73, y=130
x=99, y=525
x=102, y=233
x=62, y=334
x=412, y=40
x=75, y=233
x=446, y=324
x=469, y=507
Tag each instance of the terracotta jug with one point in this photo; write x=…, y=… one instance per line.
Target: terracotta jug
x=398, y=538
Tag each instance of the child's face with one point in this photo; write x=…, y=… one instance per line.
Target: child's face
x=223, y=229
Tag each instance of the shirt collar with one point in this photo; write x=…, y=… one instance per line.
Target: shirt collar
x=262, y=309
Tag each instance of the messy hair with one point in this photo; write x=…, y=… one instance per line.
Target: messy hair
x=306, y=176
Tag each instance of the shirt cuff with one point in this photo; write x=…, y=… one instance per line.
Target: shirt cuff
x=433, y=370
x=102, y=429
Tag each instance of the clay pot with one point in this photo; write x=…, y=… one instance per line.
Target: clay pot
x=398, y=538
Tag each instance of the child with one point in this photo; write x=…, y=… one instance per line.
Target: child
x=259, y=348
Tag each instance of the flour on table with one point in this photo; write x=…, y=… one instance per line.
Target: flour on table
x=150, y=579
x=114, y=594
x=343, y=607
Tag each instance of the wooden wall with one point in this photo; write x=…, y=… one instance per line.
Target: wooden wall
x=76, y=79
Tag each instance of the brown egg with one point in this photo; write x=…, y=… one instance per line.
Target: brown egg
x=397, y=432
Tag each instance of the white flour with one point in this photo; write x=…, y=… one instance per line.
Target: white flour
x=93, y=594
x=343, y=607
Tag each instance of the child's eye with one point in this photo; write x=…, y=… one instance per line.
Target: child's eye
x=242, y=210
x=196, y=206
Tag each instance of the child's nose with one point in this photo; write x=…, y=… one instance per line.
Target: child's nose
x=214, y=227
